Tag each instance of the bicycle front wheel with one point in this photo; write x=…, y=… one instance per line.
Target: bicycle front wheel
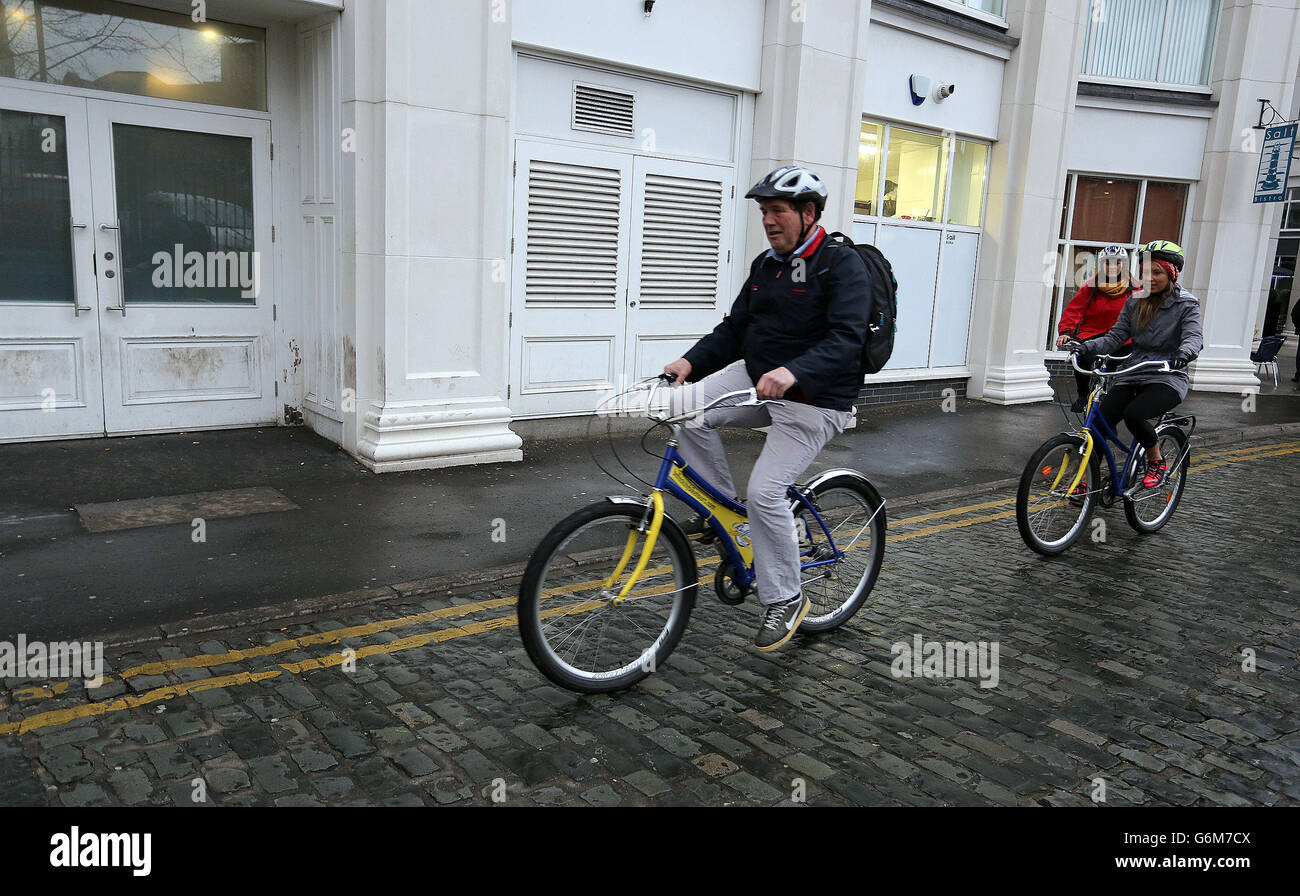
x=1049, y=513
x=1150, y=508
x=855, y=517
x=575, y=628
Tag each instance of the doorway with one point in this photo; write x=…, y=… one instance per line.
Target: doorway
x=134, y=268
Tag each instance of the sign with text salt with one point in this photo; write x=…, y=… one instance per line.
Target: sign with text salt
x=1274, y=163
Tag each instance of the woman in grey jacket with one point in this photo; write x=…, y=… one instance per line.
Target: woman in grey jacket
x=1164, y=324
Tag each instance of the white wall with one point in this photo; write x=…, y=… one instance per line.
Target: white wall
x=895, y=54
x=683, y=121
x=708, y=40
x=1137, y=142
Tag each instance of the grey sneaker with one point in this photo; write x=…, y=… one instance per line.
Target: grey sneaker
x=696, y=525
x=780, y=621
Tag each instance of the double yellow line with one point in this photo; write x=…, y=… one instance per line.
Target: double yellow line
x=52, y=718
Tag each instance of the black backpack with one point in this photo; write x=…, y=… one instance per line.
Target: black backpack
x=879, y=344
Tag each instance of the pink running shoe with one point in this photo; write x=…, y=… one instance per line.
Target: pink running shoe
x=1156, y=471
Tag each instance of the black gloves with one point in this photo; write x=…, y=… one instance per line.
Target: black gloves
x=1074, y=347
x=1180, y=361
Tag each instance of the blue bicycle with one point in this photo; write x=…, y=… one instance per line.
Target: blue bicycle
x=608, y=592
x=1063, y=481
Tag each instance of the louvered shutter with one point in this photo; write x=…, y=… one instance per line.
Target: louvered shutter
x=603, y=110
x=573, y=232
x=681, y=242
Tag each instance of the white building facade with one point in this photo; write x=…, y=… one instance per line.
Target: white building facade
x=409, y=224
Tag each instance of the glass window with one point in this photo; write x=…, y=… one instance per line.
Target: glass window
x=1291, y=213
x=969, y=171
x=991, y=6
x=1104, y=209
x=35, y=209
x=1162, y=212
x=1099, y=211
x=869, y=146
x=1165, y=41
x=185, y=202
x=1065, y=205
x=1189, y=40
x=1082, y=267
x=915, y=170
x=104, y=45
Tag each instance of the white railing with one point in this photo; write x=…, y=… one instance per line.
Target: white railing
x=1157, y=41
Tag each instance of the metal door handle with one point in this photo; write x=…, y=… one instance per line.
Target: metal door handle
x=77, y=307
x=121, y=287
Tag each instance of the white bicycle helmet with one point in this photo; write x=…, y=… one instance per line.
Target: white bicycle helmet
x=793, y=183
x=1112, y=252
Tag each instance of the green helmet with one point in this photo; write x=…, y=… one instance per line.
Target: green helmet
x=1164, y=250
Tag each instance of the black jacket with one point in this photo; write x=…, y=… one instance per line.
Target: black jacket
x=808, y=314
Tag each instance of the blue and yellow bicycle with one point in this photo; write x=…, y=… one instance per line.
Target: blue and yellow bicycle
x=608, y=592
x=1063, y=482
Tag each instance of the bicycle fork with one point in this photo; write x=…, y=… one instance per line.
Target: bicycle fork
x=1084, y=456
x=656, y=514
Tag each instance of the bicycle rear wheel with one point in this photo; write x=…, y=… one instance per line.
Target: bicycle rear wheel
x=575, y=630
x=1048, y=515
x=1150, y=508
x=855, y=516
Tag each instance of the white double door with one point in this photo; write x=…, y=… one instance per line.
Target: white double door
x=620, y=263
x=133, y=273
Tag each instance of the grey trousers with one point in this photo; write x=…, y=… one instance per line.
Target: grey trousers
x=798, y=433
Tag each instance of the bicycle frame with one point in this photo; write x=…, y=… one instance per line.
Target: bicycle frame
x=728, y=519
x=1096, y=431
x=1101, y=433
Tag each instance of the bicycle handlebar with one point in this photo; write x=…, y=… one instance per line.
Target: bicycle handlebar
x=750, y=396
x=1163, y=365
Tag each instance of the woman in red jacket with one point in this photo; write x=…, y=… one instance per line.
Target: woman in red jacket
x=1095, y=307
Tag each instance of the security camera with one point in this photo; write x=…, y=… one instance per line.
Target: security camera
x=943, y=91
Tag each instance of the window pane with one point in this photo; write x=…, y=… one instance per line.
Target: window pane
x=1104, y=210
x=1291, y=219
x=35, y=210
x=1061, y=296
x=1081, y=266
x=1189, y=42
x=185, y=203
x=1127, y=40
x=1065, y=207
x=104, y=45
x=993, y=6
x=872, y=138
x=915, y=170
x=1162, y=213
x=969, y=169
x=1291, y=212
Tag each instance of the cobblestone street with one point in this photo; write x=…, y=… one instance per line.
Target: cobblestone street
x=1123, y=672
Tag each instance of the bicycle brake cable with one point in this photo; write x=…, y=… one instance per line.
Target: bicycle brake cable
x=613, y=448
x=592, y=446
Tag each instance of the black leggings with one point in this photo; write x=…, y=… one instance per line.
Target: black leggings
x=1137, y=406
x=1083, y=381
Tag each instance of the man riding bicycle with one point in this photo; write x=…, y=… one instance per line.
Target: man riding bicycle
x=795, y=333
